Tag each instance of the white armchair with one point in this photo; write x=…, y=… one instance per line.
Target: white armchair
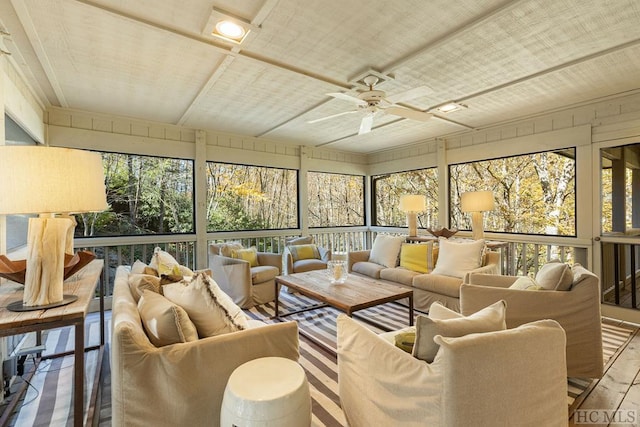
x=577, y=310
x=510, y=377
x=247, y=286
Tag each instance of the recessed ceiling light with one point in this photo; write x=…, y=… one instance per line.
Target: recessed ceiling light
x=230, y=29
x=450, y=107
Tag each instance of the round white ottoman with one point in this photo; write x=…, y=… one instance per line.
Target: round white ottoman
x=270, y=391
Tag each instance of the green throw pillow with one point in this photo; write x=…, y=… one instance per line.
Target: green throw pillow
x=299, y=252
x=405, y=341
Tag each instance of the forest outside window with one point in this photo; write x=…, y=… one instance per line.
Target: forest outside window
x=621, y=189
x=146, y=195
x=534, y=193
x=388, y=188
x=335, y=200
x=241, y=197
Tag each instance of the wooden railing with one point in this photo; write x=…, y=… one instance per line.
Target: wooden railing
x=521, y=255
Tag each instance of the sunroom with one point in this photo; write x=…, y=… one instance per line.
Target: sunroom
x=321, y=116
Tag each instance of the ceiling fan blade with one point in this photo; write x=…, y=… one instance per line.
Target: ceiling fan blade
x=332, y=116
x=414, y=93
x=346, y=97
x=408, y=113
x=366, y=123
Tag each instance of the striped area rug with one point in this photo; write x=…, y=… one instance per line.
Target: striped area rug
x=48, y=401
x=322, y=368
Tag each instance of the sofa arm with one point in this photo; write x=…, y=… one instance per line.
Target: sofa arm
x=233, y=276
x=358, y=256
x=487, y=269
x=198, y=370
x=325, y=254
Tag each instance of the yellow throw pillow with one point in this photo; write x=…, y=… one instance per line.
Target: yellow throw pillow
x=299, y=252
x=416, y=257
x=249, y=254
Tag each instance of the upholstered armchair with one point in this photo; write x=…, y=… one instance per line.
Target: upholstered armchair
x=301, y=255
x=509, y=377
x=247, y=285
x=576, y=309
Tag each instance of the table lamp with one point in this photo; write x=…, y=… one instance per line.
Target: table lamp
x=477, y=202
x=412, y=204
x=49, y=181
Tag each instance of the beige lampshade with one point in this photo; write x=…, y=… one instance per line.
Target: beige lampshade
x=477, y=201
x=50, y=180
x=412, y=203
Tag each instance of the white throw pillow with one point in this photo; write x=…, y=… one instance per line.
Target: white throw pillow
x=165, y=322
x=386, y=250
x=210, y=309
x=489, y=319
x=555, y=276
x=458, y=258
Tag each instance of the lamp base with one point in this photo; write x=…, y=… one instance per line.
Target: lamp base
x=19, y=305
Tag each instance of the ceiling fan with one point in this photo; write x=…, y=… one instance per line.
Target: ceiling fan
x=372, y=102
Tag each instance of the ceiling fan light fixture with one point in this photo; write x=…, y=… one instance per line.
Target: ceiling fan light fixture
x=450, y=107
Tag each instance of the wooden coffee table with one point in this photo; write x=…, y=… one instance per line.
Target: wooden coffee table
x=356, y=293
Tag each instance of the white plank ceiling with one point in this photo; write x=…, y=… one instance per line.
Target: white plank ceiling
x=152, y=60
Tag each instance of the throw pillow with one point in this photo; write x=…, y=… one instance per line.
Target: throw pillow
x=440, y=312
x=250, y=255
x=489, y=319
x=555, y=276
x=458, y=258
x=138, y=267
x=525, y=283
x=165, y=322
x=164, y=263
x=141, y=282
x=416, y=257
x=309, y=251
x=226, y=249
x=386, y=249
x=210, y=309
x=405, y=341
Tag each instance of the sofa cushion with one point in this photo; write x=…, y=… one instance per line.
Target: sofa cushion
x=367, y=268
x=386, y=250
x=457, y=258
x=263, y=273
x=140, y=282
x=164, y=322
x=417, y=257
x=299, y=252
x=308, y=265
x=211, y=310
x=441, y=285
x=139, y=267
x=555, y=276
x=398, y=275
x=489, y=319
x=249, y=254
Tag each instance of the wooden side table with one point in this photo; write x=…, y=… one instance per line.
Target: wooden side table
x=83, y=284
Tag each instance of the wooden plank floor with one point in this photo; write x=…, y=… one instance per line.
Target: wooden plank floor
x=619, y=388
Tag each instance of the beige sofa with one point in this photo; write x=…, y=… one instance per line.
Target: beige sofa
x=427, y=288
x=179, y=384
x=514, y=377
x=577, y=310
